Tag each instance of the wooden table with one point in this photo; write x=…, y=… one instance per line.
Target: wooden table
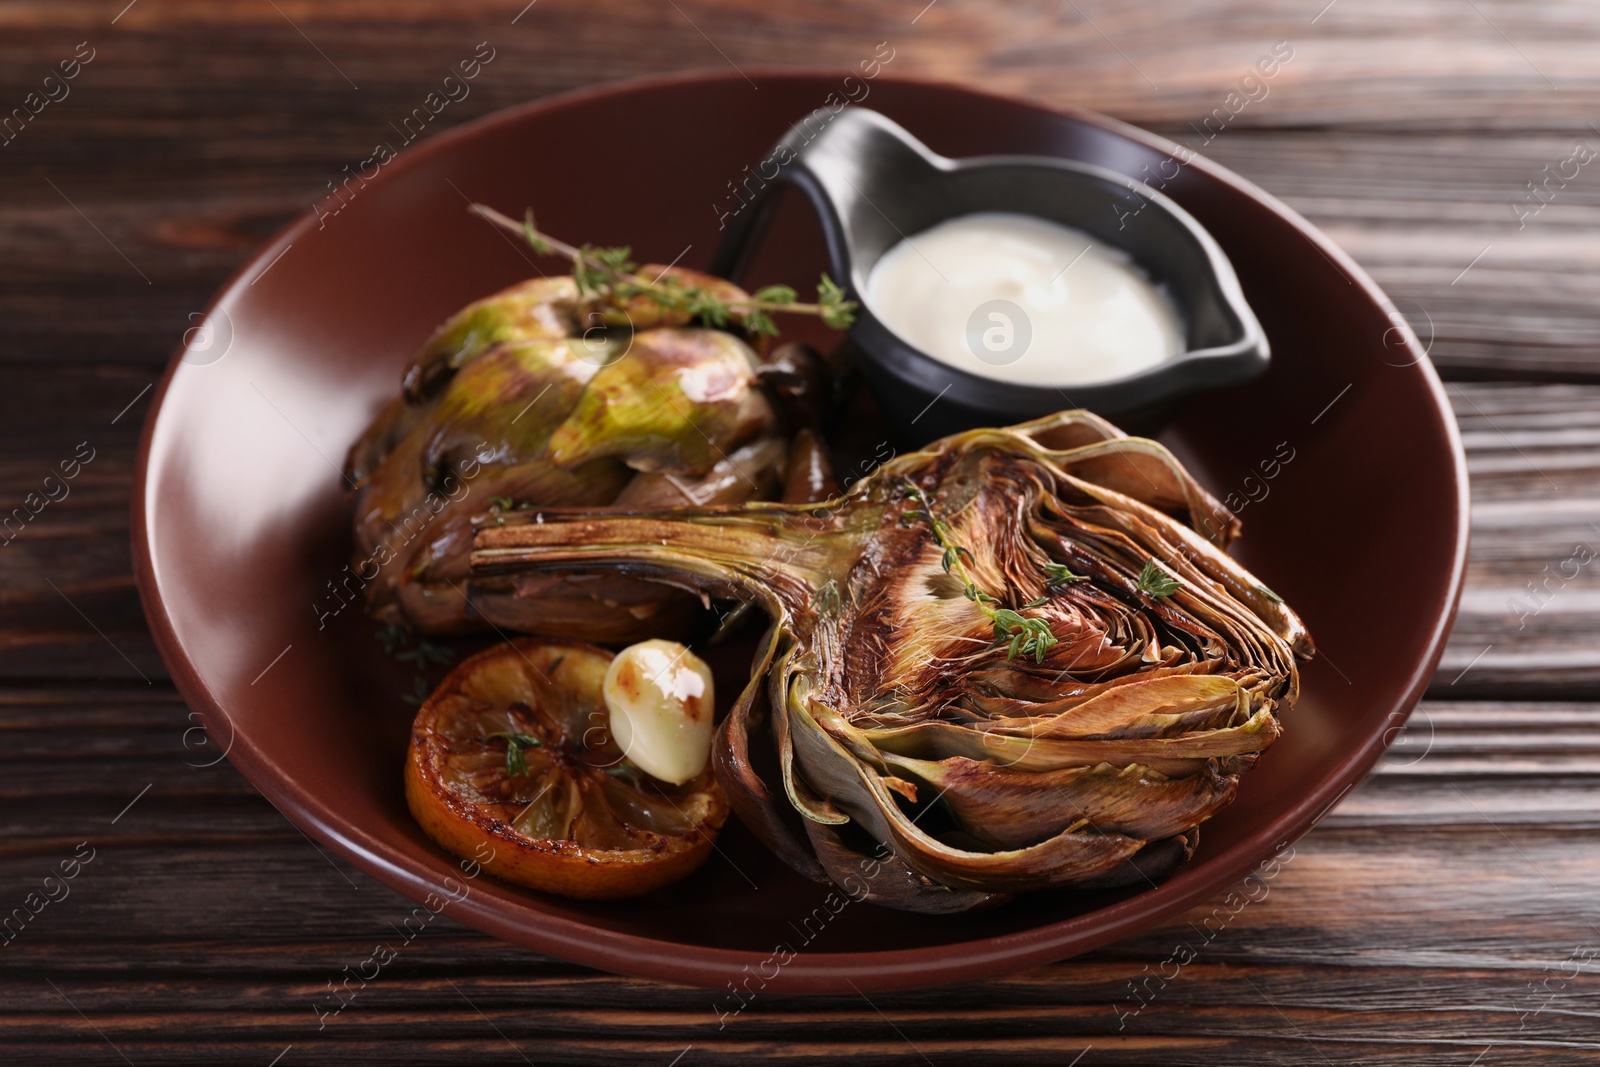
x=1445, y=913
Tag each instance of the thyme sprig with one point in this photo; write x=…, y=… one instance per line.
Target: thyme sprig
x=424, y=653
x=626, y=773
x=1022, y=636
x=608, y=273
x=1156, y=581
x=397, y=642
x=516, y=764
x=827, y=599
x=1060, y=574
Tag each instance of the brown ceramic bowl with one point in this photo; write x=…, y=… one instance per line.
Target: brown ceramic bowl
x=240, y=521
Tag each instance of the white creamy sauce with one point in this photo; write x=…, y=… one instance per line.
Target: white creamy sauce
x=1023, y=299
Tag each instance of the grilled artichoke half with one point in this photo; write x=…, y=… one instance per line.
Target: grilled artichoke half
x=929, y=764
x=540, y=396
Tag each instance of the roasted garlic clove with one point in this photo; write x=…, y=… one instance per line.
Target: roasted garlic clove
x=661, y=701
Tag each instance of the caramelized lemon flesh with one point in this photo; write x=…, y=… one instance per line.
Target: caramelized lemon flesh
x=563, y=810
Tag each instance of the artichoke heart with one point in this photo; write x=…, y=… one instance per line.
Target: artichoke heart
x=1007, y=662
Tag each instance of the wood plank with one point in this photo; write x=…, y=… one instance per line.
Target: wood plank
x=1408, y=928
x=1497, y=282
x=1529, y=614
x=1415, y=210
x=1359, y=61
x=1533, y=453
x=1509, y=315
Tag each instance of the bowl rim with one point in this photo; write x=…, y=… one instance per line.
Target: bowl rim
x=807, y=973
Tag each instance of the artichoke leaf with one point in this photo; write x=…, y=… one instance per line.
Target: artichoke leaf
x=861, y=791
x=539, y=308
x=1012, y=809
x=1012, y=689
x=415, y=514
x=812, y=797
x=736, y=759
x=939, y=740
x=678, y=400
x=749, y=472
x=873, y=873
x=1122, y=708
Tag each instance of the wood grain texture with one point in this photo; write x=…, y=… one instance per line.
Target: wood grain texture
x=1406, y=929
x=1528, y=617
x=1442, y=914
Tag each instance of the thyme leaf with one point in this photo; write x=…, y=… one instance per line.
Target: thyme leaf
x=776, y=295
x=531, y=235
x=1022, y=635
x=396, y=641
x=1157, y=582
x=425, y=652
x=624, y=772
x=827, y=599
x=393, y=638
x=419, y=692
x=516, y=764
x=1060, y=573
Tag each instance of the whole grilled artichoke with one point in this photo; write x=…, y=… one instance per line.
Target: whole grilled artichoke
x=1005, y=663
x=543, y=395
